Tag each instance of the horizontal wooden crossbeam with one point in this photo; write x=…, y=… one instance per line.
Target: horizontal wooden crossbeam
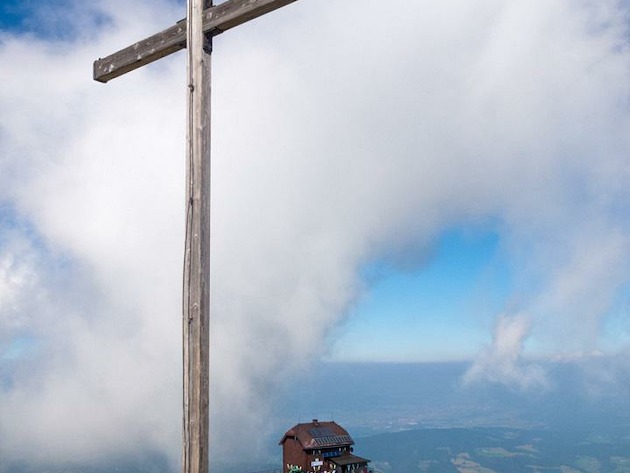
x=216, y=20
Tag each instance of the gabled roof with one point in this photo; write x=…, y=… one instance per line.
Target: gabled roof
x=317, y=434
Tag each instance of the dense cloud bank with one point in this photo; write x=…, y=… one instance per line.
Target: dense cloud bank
x=344, y=132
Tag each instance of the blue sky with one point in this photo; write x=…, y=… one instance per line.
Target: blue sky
x=439, y=311
x=8, y=16
x=444, y=309
x=21, y=17
x=464, y=196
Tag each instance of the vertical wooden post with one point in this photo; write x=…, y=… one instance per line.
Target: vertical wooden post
x=196, y=300
x=203, y=21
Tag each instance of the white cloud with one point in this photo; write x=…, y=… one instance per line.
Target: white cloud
x=18, y=282
x=502, y=362
x=343, y=131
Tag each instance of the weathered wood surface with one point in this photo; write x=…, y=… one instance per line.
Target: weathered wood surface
x=215, y=20
x=206, y=21
x=196, y=306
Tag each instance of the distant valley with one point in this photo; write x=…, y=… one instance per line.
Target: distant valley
x=417, y=418
x=500, y=450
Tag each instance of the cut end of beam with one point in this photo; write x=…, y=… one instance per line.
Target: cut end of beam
x=100, y=73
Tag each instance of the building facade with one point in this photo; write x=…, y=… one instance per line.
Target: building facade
x=320, y=447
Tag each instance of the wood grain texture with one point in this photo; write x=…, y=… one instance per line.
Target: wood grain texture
x=215, y=20
x=206, y=21
x=196, y=304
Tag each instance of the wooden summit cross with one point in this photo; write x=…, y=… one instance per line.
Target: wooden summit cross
x=204, y=21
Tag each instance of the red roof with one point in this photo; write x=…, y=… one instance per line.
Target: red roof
x=319, y=435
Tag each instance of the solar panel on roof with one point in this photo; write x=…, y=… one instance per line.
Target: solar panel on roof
x=321, y=432
x=333, y=440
